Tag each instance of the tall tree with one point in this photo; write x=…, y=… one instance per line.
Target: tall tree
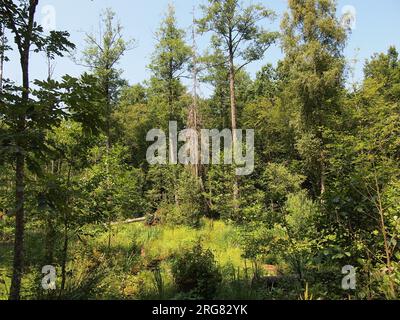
x=170, y=60
x=169, y=64
x=237, y=33
x=313, y=41
x=20, y=20
x=102, y=55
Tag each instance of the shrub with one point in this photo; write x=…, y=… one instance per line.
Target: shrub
x=196, y=273
x=178, y=215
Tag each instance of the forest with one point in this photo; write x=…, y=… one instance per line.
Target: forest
x=86, y=215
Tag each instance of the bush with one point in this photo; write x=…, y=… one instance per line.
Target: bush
x=179, y=215
x=196, y=273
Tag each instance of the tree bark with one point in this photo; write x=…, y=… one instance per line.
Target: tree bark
x=322, y=178
x=19, y=229
x=20, y=188
x=66, y=238
x=107, y=94
x=64, y=255
x=49, y=242
x=232, y=98
x=234, y=126
x=2, y=54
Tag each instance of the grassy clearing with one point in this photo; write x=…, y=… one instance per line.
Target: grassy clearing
x=164, y=241
x=138, y=263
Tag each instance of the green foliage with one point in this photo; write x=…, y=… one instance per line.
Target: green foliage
x=172, y=54
x=118, y=192
x=313, y=42
x=236, y=29
x=103, y=53
x=324, y=193
x=302, y=213
x=281, y=182
x=185, y=206
x=169, y=61
x=196, y=274
x=220, y=181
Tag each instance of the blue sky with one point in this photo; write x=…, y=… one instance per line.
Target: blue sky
x=377, y=27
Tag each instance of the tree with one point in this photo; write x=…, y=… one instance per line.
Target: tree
x=241, y=40
x=167, y=95
x=313, y=41
x=364, y=165
x=20, y=20
x=170, y=60
x=102, y=55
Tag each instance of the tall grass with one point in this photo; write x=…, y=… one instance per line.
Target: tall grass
x=138, y=263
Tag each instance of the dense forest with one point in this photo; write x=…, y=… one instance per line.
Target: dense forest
x=85, y=215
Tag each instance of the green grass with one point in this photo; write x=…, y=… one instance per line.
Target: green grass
x=162, y=242
x=124, y=271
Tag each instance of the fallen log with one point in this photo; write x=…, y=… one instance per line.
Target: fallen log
x=128, y=221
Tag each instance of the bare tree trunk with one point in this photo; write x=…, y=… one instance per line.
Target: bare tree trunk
x=193, y=112
x=233, y=99
x=322, y=178
x=108, y=151
x=108, y=191
x=234, y=126
x=64, y=255
x=66, y=238
x=2, y=44
x=50, y=229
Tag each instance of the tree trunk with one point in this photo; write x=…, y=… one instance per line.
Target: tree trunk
x=233, y=99
x=24, y=50
x=108, y=152
x=2, y=44
x=20, y=186
x=234, y=127
x=193, y=113
x=321, y=184
x=66, y=238
x=388, y=254
x=64, y=255
x=19, y=229
x=322, y=178
x=49, y=242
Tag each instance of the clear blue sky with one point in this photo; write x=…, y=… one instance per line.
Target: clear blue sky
x=377, y=27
